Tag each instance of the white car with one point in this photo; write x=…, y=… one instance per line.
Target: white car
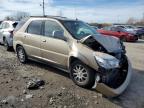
x=6, y=33
x=129, y=28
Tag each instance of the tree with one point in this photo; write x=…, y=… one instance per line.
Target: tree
x=131, y=20
x=20, y=15
x=8, y=18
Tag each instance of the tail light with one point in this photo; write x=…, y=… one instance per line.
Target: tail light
x=11, y=33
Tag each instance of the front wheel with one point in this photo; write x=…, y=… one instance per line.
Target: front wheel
x=21, y=54
x=82, y=75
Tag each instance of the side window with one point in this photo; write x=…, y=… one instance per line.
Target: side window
x=113, y=29
x=51, y=27
x=35, y=27
x=119, y=29
x=7, y=25
x=20, y=24
x=106, y=28
x=3, y=25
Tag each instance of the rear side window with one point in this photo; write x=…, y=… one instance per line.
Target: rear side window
x=20, y=24
x=35, y=27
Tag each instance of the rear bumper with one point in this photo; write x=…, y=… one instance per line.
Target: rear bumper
x=110, y=92
x=10, y=41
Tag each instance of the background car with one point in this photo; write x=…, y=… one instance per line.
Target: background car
x=6, y=33
x=118, y=32
x=140, y=32
x=132, y=29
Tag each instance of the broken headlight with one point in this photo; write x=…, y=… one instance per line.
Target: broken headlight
x=106, y=61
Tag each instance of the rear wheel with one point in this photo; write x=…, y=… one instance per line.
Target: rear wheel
x=6, y=45
x=21, y=54
x=82, y=75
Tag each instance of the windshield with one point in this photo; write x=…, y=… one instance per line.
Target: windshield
x=79, y=29
x=130, y=27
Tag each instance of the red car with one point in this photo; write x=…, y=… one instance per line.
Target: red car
x=119, y=33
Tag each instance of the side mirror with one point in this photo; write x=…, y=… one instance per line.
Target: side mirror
x=59, y=35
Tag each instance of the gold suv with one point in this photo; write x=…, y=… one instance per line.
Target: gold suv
x=93, y=60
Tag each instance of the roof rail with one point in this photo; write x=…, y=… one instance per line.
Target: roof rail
x=50, y=16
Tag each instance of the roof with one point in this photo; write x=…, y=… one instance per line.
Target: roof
x=53, y=17
x=10, y=22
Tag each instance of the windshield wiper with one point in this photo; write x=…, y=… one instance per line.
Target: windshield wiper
x=84, y=38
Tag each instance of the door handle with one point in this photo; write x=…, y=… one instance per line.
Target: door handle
x=44, y=40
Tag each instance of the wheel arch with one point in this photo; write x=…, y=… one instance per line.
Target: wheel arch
x=74, y=58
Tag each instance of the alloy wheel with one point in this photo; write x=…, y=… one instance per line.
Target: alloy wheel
x=80, y=73
x=21, y=55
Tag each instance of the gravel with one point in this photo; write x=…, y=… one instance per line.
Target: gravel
x=59, y=91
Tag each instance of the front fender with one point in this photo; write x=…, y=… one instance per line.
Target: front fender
x=78, y=56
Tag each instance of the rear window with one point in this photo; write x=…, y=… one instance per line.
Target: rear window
x=15, y=24
x=19, y=25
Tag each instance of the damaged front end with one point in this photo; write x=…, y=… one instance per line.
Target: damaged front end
x=114, y=72
x=113, y=82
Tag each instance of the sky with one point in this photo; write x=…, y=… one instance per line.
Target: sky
x=101, y=11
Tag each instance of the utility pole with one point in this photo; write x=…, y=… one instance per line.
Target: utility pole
x=118, y=19
x=43, y=8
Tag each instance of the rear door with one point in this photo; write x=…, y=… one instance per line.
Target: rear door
x=32, y=38
x=52, y=49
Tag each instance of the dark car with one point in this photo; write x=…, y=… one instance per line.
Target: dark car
x=140, y=33
x=118, y=32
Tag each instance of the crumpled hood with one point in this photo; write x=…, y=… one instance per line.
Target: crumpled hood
x=110, y=43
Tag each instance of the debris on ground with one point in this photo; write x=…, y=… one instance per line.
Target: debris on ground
x=29, y=96
x=24, y=92
x=35, y=84
x=59, y=91
x=9, y=100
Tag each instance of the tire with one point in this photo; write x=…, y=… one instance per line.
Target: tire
x=21, y=54
x=142, y=36
x=82, y=75
x=6, y=45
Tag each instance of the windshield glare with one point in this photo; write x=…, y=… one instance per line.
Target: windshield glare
x=79, y=29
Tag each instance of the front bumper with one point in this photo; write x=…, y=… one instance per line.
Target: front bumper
x=132, y=38
x=110, y=92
